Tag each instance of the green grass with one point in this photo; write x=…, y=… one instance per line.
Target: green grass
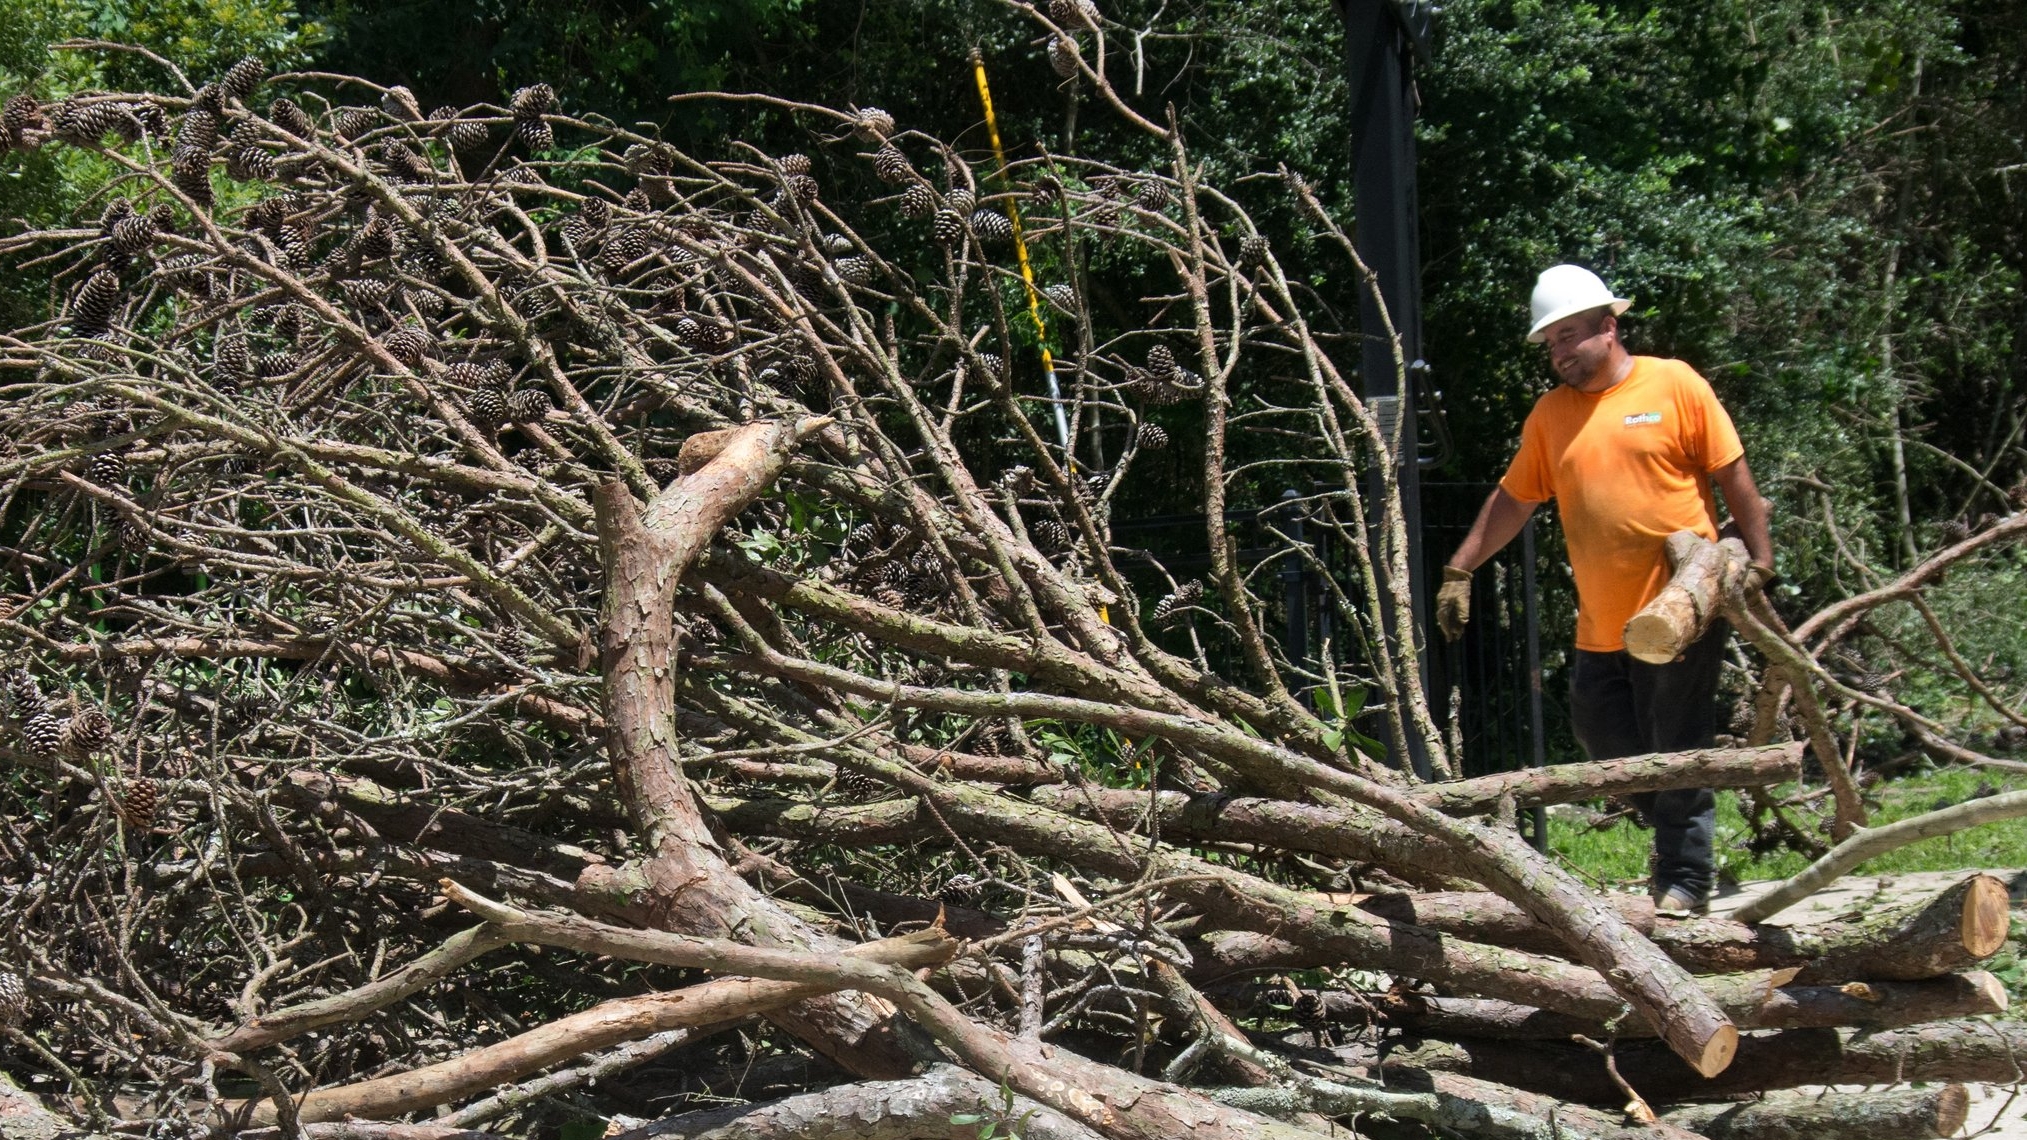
x=1617, y=856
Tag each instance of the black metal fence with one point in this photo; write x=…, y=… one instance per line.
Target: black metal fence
x=1486, y=689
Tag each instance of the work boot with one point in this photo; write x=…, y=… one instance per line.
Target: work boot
x=1679, y=900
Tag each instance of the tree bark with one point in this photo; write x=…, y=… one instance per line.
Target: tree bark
x=1989, y=1051
x=1867, y=1005
x=692, y=886
x=1890, y=1114
x=604, y=1025
x=1705, y=572
x=1959, y=927
x=1595, y=779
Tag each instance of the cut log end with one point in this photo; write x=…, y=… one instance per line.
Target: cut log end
x=1653, y=638
x=1988, y=989
x=1984, y=923
x=1717, y=1052
x=1953, y=1107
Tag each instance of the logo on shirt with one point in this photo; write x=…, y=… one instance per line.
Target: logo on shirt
x=1643, y=418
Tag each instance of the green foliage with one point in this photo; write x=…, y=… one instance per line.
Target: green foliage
x=1618, y=854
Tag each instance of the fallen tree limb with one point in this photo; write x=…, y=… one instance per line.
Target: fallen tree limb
x=1977, y=1050
x=1891, y=1114
x=1865, y=843
x=282, y=1024
x=613, y=1022
x=1119, y=1104
x=931, y=1106
x=1663, y=993
x=1868, y=1005
x=1592, y=779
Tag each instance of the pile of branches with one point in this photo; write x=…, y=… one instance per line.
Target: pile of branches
x=499, y=607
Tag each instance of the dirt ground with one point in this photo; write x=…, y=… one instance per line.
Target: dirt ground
x=1996, y=1113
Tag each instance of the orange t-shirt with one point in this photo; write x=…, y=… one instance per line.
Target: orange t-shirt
x=1631, y=466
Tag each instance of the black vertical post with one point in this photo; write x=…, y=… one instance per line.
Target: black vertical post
x=1382, y=38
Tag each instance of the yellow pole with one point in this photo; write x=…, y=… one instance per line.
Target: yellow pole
x=1021, y=255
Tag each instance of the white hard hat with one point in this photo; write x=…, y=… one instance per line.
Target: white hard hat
x=1566, y=290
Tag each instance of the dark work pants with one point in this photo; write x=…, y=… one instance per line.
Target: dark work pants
x=1622, y=707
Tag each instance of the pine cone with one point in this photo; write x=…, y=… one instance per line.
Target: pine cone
x=351, y=123
x=528, y=406
x=1161, y=361
x=249, y=163
x=961, y=889
x=462, y=134
x=1074, y=13
x=269, y=365
x=535, y=134
x=92, y=312
x=133, y=236
x=532, y=100
x=992, y=227
x=855, y=269
x=918, y=200
x=874, y=125
x=242, y=79
x=285, y=114
x=25, y=694
x=2017, y=495
x=1152, y=437
x=404, y=163
x=107, y=469
x=862, y=540
x=409, y=345
x=892, y=597
x=22, y=121
x=1953, y=531
x=134, y=538
x=82, y=124
x=136, y=802
x=229, y=357
x=1252, y=252
x=1152, y=195
x=1063, y=56
x=1187, y=594
x=663, y=471
x=13, y=999
x=488, y=407
x=1050, y=535
x=367, y=293
x=43, y=734
x=947, y=227
x=91, y=730
x=891, y=165
x=376, y=239
x=198, y=131
x=856, y=785
x=960, y=201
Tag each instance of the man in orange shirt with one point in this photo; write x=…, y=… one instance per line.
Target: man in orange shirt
x=1630, y=446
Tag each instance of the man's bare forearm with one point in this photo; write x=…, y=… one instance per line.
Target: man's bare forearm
x=1749, y=508
x=1498, y=521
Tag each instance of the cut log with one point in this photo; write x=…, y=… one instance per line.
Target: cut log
x=1866, y=843
x=1866, y=1005
x=1704, y=572
x=1956, y=929
x=1894, y=1114
x=1986, y=1051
